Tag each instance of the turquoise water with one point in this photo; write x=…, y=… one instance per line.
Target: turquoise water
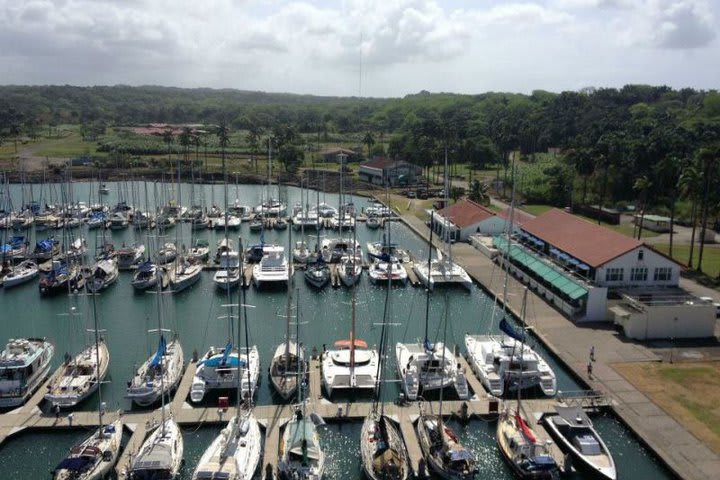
x=126, y=316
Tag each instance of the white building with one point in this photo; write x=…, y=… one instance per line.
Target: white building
x=467, y=218
x=384, y=171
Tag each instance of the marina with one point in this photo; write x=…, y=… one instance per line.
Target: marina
x=194, y=315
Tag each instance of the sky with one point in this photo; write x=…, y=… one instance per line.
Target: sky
x=370, y=48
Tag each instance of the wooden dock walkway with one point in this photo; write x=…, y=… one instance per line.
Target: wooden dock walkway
x=411, y=275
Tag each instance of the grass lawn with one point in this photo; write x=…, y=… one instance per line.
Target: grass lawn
x=536, y=209
x=689, y=392
x=415, y=206
x=681, y=253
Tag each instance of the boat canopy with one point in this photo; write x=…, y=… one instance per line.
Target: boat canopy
x=76, y=464
x=459, y=455
x=347, y=343
x=510, y=331
x=146, y=267
x=162, y=349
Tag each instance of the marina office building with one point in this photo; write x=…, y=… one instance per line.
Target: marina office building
x=592, y=273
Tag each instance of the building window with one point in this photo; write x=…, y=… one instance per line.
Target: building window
x=614, y=275
x=641, y=254
x=638, y=274
x=663, y=274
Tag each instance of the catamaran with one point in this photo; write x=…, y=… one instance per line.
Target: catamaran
x=273, y=269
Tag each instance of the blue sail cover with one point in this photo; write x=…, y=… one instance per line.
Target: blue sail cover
x=146, y=266
x=75, y=464
x=17, y=241
x=162, y=349
x=226, y=353
x=510, y=331
x=384, y=257
x=428, y=345
x=44, y=245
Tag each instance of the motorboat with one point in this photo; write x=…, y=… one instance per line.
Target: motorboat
x=273, y=269
x=15, y=249
x=117, y=221
x=575, y=435
x=46, y=249
x=95, y=457
x=424, y=367
x=183, y=274
x=220, y=369
x=160, y=455
x=79, y=378
x=383, y=452
x=443, y=451
x=24, y=272
x=235, y=453
x=200, y=251
x=163, y=369
x=103, y=274
x=503, y=363
x=166, y=254
x=229, y=274
x=442, y=271
x=24, y=366
x=62, y=278
x=129, y=256
x=301, y=454
x=380, y=272
x=529, y=458
x=349, y=366
x=317, y=274
x=147, y=275
x=373, y=222
x=383, y=250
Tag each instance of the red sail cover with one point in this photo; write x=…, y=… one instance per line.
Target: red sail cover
x=346, y=343
x=525, y=429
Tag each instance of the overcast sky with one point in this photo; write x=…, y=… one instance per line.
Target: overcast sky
x=403, y=46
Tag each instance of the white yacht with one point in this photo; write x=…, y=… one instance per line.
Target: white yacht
x=349, y=270
x=425, y=367
x=288, y=363
x=103, y=274
x=147, y=276
x=24, y=365
x=497, y=361
x=79, y=378
x=118, y=221
x=383, y=250
x=166, y=254
x=349, y=366
x=233, y=222
x=442, y=271
x=220, y=368
x=243, y=212
x=95, y=457
x=380, y=272
x=301, y=454
x=183, y=274
x=21, y=273
x=160, y=456
x=271, y=208
x=228, y=276
x=333, y=249
x=200, y=251
x=273, y=269
x=306, y=219
x=235, y=453
x=163, y=369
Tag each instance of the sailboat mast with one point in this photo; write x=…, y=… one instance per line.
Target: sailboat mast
x=158, y=288
x=97, y=364
x=247, y=345
x=289, y=303
x=429, y=277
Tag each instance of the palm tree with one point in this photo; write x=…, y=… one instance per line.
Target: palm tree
x=167, y=136
x=369, y=140
x=185, y=140
x=688, y=184
x=642, y=185
x=708, y=159
x=223, y=135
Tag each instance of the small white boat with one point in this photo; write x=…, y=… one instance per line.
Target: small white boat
x=349, y=270
x=163, y=368
x=425, y=367
x=21, y=273
x=147, y=275
x=271, y=208
x=373, y=222
x=95, y=457
x=301, y=454
x=380, y=272
x=183, y=274
x=288, y=364
x=160, y=456
x=97, y=220
x=103, y=189
x=130, y=256
x=273, y=269
x=233, y=222
x=384, y=251
x=224, y=245
x=220, y=369
x=79, y=378
x=575, y=435
x=200, y=251
x=228, y=275
x=167, y=254
x=333, y=249
x=118, y=221
x=301, y=252
x=317, y=274
x=235, y=453
x=104, y=273
x=24, y=366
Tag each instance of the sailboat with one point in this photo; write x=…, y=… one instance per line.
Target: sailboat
x=288, y=363
x=235, y=452
x=528, y=458
x=222, y=368
x=506, y=362
x=301, y=454
x=95, y=457
x=160, y=455
x=440, y=446
x=81, y=375
x=426, y=366
x=383, y=452
x=350, y=365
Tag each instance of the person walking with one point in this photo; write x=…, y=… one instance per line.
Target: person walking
x=590, y=370
x=592, y=353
